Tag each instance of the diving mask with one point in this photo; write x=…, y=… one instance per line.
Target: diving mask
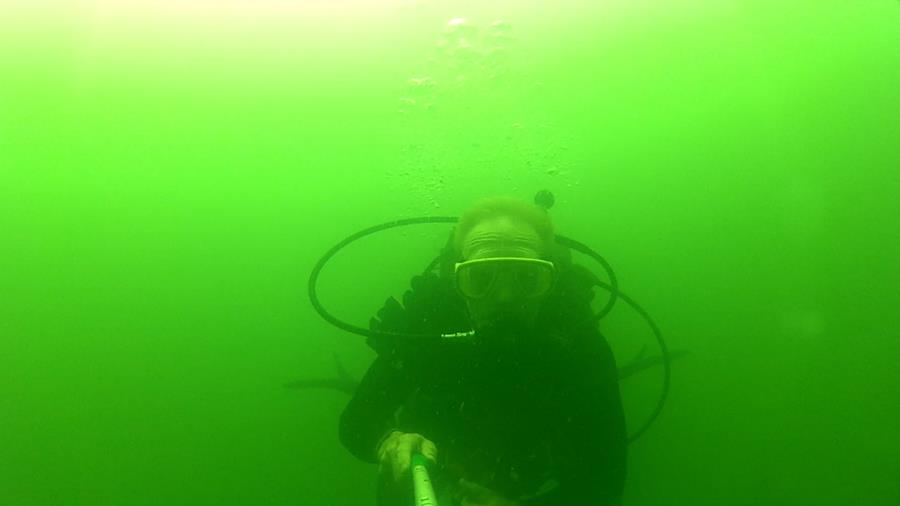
x=522, y=277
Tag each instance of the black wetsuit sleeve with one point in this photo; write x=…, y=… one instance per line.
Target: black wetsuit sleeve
x=592, y=451
x=370, y=413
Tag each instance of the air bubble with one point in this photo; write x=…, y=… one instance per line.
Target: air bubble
x=499, y=33
x=501, y=26
x=459, y=28
x=420, y=85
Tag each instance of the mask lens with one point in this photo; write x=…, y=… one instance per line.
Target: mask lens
x=525, y=277
x=533, y=279
x=475, y=280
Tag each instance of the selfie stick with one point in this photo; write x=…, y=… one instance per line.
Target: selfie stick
x=424, y=493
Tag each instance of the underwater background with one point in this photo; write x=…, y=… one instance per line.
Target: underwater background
x=170, y=172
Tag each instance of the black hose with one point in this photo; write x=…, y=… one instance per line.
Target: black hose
x=314, y=277
x=666, y=362
x=613, y=282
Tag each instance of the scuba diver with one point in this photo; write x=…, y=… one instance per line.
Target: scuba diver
x=524, y=409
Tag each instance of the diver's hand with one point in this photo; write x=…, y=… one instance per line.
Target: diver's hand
x=396, y=451
x=473, y=494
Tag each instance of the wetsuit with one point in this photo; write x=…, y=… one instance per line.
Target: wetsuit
x=538, y=418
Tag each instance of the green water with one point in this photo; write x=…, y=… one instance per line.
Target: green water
x=170, y=172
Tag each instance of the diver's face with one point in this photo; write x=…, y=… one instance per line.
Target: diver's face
x=502, y=237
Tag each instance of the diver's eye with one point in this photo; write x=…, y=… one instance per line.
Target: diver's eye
x=528, y=280
x=480, y=279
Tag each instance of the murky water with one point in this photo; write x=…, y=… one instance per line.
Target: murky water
x=171, y=171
